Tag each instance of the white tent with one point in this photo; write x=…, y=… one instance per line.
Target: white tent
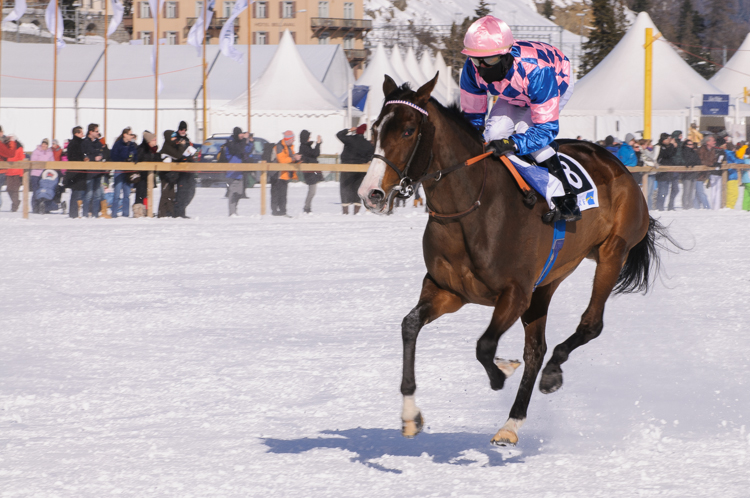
x=410, y=61
x=609, y=99
x=734, y=77
x=398, y=65
x=286, y=96
x=373, y=77
x=428, y=69
x=445, y=80
x=27, y=88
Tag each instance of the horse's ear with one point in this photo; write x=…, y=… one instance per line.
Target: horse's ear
x=389, y=86
x=424, y=92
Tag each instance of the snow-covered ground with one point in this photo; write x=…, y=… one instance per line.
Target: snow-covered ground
x=262, y=357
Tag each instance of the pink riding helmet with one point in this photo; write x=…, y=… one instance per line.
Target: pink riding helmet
x=488, y=36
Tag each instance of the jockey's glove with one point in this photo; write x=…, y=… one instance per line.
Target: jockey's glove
x=501, y=147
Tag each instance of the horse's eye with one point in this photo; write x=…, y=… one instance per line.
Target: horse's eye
x=409, y=132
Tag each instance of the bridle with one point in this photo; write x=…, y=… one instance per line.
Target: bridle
x=407, y=186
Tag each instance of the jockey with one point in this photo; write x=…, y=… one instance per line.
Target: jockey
x=532, y=82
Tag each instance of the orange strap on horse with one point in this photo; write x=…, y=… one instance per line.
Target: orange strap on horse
x=516, y=175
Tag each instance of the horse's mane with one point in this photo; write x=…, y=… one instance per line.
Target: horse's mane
x=452, y=112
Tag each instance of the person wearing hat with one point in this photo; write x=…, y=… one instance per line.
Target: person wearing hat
x=285, y=155
x=147, y=152
x=310, y=155
x=235, y=152
x=186, y=180
x=357, y=150
x=532, y=83
x=41, y=153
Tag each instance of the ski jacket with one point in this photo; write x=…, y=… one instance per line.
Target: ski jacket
x=357, y=149
x=538, y=78
x=284, y=155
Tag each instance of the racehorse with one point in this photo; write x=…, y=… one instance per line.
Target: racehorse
x=484, y=245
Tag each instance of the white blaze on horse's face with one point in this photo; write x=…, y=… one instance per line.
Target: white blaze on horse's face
x=371, y=190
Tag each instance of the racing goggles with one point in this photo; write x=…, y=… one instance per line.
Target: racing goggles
x=487, y=61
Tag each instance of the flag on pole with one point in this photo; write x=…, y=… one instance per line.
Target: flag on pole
x=152, y=5
x=18, y=11
x=226, y=38
x=49, y=19
x=198, y=32
x=118, y=10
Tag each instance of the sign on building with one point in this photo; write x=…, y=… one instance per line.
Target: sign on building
x=715, y=105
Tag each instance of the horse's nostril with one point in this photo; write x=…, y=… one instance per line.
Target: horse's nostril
x=377, y=195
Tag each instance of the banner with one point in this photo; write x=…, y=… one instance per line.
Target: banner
x=118, y=10
x=49, y=19
x=198, y=32
x=18, y=11
x=226, y=38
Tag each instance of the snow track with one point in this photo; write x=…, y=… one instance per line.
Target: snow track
x=262, y=357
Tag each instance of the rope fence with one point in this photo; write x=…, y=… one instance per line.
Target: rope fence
x=264, y=168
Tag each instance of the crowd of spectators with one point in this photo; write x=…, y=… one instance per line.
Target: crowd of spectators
x=699, y=189
x=87, y=198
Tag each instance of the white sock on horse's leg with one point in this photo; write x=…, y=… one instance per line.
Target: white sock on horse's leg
x=410, y=409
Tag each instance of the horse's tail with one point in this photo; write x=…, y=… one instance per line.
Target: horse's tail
x=643, y=260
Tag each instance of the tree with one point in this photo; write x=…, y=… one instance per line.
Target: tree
x=609, y=28
x=483, y=9
x=454, y=42
x=641, y=6
x=547, y=9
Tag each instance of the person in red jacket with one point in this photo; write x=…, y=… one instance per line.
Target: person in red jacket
x=14, y=175
x=7, y=149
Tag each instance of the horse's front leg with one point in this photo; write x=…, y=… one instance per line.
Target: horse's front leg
x=433, y=303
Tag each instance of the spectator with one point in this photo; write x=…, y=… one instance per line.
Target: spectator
x=310, y=155
x=57, y=151
x=12, y=151
x=714, y=177
x=357, y=150
x=185, y=180
x=124, y=150
x=732, y=176
x=626, y=153
x=93, y=150
x=610, y=143
x=695, y=135
x=664, y=181
x=707, y=153
x=169, y=153
x=235, y=151
x=744, y=156
x=75, y=180
x=41, y=153
x=147, y=153
x=284, y=155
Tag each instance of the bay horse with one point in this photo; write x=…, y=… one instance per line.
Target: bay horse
x=484, y=245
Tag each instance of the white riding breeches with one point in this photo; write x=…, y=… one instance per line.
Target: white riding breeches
x=506, y=119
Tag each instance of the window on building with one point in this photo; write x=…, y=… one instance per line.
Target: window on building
x=324, y=39
x=146, y=37
x=228, y=6
x=348, y=10
x=171, y=10
x=349, y=42
x=287, y=10
x=261, y=11
x=323, y=9
x=172, y=38
x=198, y=9
x=145, y=10
x=261, y=38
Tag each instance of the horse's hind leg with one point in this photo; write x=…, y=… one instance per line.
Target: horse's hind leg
x=433, y=303
x=612, y=254
x=534, y=321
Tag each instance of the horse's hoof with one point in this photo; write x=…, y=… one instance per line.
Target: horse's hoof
x=505, y=437
x=508, y=367
x=551, y=381
x=410, y=428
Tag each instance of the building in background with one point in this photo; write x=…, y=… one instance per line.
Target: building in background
x=310, y=22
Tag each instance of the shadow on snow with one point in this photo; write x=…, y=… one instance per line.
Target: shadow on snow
x=459, y=448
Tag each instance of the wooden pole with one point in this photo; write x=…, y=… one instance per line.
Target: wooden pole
x=26, y=187
x=1, y=51
x=205, y=35
x=150, y=194
x=106, y=43
x=249, y=49
x=648, y=85
x=263, y=184
x=54, y=81
x=156, y=73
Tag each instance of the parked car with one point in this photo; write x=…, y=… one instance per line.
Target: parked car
x=209, y=153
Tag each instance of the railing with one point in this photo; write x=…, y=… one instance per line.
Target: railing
x=264, y=168
x=355, y=54
x=330, y=22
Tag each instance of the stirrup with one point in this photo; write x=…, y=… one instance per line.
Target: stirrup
x=567, y=206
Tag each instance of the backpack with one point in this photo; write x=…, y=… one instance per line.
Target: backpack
x=223, y=154
x=269, y=153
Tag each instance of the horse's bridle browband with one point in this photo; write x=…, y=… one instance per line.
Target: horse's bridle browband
x=406, y=185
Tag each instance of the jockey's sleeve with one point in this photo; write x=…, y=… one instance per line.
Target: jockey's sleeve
x=544, y=95
x=473, y=98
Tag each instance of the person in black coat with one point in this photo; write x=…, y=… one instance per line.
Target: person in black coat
x=148, y=152
x=75, y=180
x=186, y=181
x=310, y=156
x=667, y=157
x=235, y=151
x=357, y=150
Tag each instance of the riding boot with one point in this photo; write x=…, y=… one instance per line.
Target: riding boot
x=566, y=206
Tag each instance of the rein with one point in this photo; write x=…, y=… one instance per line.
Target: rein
x=407, y=186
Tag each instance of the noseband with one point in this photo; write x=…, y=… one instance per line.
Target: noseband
x=405, y=187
